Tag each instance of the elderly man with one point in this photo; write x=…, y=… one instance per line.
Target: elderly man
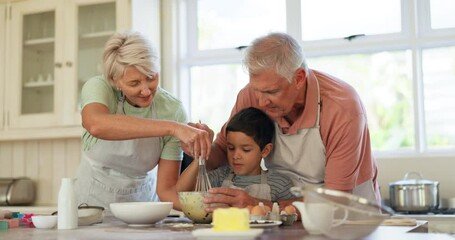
x=322, y=137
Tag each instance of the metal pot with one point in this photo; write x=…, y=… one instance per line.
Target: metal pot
x=414, y=195
x=16, y=191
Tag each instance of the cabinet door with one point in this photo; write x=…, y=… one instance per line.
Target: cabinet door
x=94, y=21
x=32, y=93
x=56, y=47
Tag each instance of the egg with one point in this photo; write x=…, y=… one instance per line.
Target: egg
x=258, y=210
x=290, y=209
x=249, y=207
x=267, y=209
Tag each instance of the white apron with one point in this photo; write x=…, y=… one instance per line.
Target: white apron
x=261, y=191
x=301, y=157
x=119, y=171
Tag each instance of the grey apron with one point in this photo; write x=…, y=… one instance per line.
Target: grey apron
x=119, y=171
x=261, y=191
x=301, y=157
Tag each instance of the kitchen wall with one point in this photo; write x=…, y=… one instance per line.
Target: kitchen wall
x=439, y=169
x=47, y=161
x=44, y=161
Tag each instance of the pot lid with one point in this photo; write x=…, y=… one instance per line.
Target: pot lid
x=414, y=181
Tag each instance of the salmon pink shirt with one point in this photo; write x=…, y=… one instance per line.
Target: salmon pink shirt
x=343, y=129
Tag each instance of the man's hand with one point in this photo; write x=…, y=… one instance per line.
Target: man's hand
x=229, y=197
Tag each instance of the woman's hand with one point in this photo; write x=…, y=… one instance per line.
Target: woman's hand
x=197, y=145
x=229, y=197
x=196, y=139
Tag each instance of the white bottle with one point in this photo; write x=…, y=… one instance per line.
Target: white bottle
x=67, y=205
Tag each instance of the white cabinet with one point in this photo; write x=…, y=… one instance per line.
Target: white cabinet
x=52, y=48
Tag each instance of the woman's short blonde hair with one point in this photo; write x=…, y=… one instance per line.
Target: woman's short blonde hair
x=125, y=49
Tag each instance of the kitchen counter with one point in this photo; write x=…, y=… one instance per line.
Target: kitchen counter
x=171, y=228
x=31, y=209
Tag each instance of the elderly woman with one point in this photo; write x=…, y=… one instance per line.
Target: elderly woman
x=131, y=125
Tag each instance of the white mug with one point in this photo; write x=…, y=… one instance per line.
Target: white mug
x=318, y=218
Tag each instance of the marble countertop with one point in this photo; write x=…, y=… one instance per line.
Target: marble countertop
x=179, y=228
x=31, y=209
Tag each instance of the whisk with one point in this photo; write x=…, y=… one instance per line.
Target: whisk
x=202, y=180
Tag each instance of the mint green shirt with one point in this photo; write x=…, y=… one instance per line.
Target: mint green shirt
x=98, y=90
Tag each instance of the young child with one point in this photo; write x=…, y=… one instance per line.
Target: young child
x=249, y=136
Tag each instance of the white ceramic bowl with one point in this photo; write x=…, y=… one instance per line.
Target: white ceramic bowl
x=141, y=213
x=45, y=221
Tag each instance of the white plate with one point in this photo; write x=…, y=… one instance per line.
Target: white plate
x=208, y=233
x=264, y=223
x=140, y=225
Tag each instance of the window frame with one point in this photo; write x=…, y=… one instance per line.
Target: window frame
x=416, y=35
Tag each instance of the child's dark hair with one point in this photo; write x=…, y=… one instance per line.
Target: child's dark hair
x=254, y=123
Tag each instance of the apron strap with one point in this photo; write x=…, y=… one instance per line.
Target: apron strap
x=263, y=177
x=319, y=101
x=120, y=104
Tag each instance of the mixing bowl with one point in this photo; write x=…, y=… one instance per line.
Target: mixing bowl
x=141, y=213
x=339, y=215
x=193, y=206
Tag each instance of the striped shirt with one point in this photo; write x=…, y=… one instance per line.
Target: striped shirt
x=279, y=184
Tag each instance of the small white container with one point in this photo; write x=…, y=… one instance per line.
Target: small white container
x=46, y=222
x=40, y=78
x=67, y=205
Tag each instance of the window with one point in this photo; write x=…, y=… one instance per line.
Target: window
x=442, y=14
x=348, y=17
x=213, y=90
x=438, y=65
x=389, y=106
x=229, y=24
x=401, y=63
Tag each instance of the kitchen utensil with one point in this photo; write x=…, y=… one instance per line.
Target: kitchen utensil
x=89, y=215
x=414, y=194
x=326, y=216
x=141, y=213
x=194, y=207
x=347, y=210
x=400, y=222
x=265, y=223
x=288, y=219
x=202, y=180
x=16, y=191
